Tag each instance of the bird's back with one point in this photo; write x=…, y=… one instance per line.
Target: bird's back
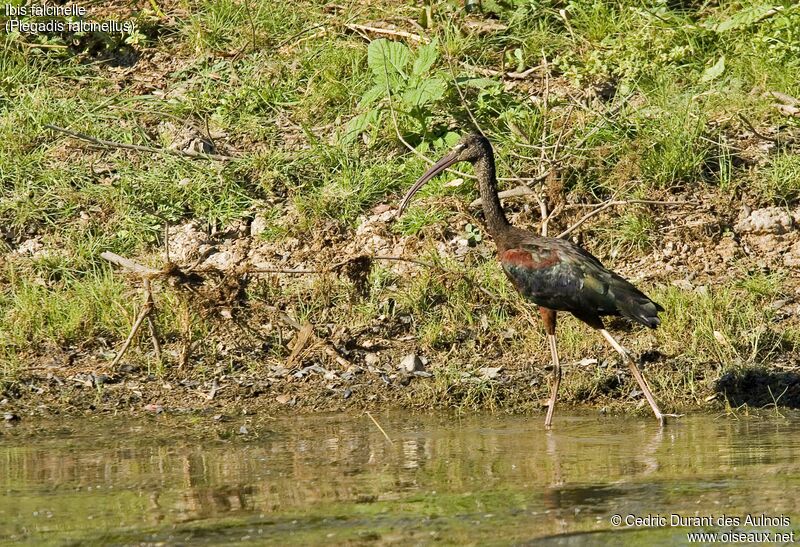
x=557, y=274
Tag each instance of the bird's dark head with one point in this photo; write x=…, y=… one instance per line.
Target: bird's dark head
x=470, y=148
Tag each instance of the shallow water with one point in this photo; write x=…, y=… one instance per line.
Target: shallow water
x=335, y=479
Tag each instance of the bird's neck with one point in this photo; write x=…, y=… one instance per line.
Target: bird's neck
x=496, y=220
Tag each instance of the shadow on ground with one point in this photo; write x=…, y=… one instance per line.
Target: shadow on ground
x=760, y=387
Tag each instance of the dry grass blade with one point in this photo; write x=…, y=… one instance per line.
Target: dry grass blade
x=380, y=428
x=387, y=32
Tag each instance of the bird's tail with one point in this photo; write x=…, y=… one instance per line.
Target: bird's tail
x=634, y=304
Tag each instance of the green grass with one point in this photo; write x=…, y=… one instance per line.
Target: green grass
x=643, y=101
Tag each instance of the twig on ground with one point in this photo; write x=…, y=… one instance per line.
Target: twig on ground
x=139, y=148
x=214, y=389
x=298, y=34
x=130, y=265
x=144, y=313
x=512, y=193
x=755, y=131
x=513, y=75
x=387, y=32
x=336, y=266
x=613, y=203
x=304, y=336
x=304, y=332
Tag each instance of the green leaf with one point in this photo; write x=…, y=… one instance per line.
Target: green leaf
x=424, y=92
x=359, y=124
x=356, y=126
x=387, y=58
x=714, y=72
x=743, y=18
x=451, y=138
x=426, y=56
x=372, y=94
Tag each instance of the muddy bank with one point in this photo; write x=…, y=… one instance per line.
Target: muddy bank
x=253, y=356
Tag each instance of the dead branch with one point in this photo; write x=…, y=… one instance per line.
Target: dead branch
x=387, y=32
x=513, y=75
x=513, y=193
x=214, y=389
x=613, y=203
x=545, y=223
x=144, y=313
x=130, y=265
x=139, y=148
x=305, y=334
x=154, y=337
x=782, y=97
x=284, y=271
x=755, y=131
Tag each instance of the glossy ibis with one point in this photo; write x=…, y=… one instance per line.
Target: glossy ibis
x=553, y=273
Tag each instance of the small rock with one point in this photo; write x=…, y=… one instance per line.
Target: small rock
x=490, y=373
x=683, y=284
x=101, y=379
x=11, y=417
x=727, y=249
x=792, y=258
x=154, y=408
x=701, y=290
x=259, y=225
x=284, y=399
x=347, y=393
x=771, y=220
x=410, y=363
x=778, y=304
x=243, y=430
x=382, y=208
x=371, y=359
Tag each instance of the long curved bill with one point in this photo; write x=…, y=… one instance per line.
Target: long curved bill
x=435, y=169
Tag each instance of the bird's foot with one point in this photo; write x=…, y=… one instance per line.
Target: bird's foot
x=662, y=418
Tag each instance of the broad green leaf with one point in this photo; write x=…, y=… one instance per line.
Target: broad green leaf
x=359, y=124
x=714, y=72
x=424, y=92
x=743, y=18
x=385, y=57
x=426, y=56
x=372, y=94
x=451, y=138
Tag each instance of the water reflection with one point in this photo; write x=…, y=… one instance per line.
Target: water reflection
x=303, y=479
